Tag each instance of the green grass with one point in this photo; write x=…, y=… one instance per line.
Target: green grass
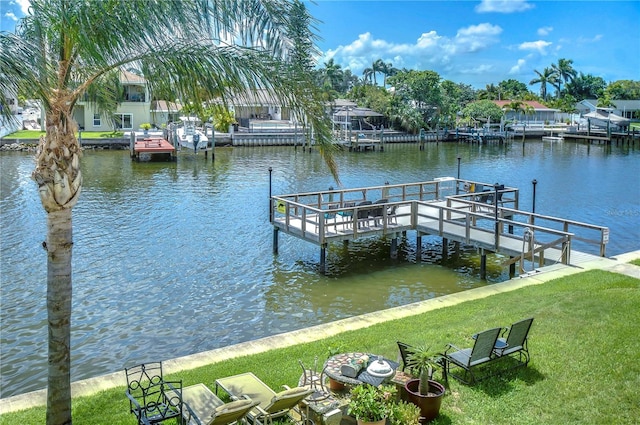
x=35, y=134
x=636, y=261
x=584, y=365
x=634, y=125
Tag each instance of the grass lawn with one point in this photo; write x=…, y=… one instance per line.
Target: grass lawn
x=584, y=365
x=35, y=134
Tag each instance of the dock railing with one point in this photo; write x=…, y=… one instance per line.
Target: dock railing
x=434, y=207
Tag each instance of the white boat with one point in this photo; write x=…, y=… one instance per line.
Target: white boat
x=552, y=138
x=189, y=136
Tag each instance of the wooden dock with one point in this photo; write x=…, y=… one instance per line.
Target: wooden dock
x=443, y=207
x=153, y=147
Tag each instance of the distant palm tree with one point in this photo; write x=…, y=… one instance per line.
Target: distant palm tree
x=387, y=70
x=333, y=74
x=368, y=75
x=547, y=76
x=66, y=49
x=377, y=66
x=565, y=72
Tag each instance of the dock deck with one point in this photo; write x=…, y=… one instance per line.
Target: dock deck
x=152, y=146
x=444, y=207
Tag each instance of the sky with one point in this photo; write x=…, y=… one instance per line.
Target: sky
x=483, y=42
x=476, y=42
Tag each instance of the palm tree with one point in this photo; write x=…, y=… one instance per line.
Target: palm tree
x=377, y=66
x=387, y=70
x=547, y=76
x=564, y=71
x=368, y=75
x=64, y=50
x=332, y=74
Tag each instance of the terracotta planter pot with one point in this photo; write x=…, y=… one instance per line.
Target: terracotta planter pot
x=335, y=385
x=430, y=404
x=380, y=422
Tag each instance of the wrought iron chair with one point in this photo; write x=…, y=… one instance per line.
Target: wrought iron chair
x=151, y=398
x=405, y=351
x=314, y=380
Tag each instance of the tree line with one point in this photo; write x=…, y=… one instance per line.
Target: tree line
x=412, y=99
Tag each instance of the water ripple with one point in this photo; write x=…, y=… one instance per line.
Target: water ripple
x=175, y=258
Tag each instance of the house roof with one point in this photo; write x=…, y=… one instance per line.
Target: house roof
x=535, y=105
x=358, y=112
x=165, y=106
x=341, y=103
x=629, y=105
x=131, y=78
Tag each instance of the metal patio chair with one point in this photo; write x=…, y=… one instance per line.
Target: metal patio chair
x=152, y=399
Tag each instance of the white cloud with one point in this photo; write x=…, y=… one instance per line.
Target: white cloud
x=478, y=70
x=24, y=5
x=430, y=50
x=11, y=16
x=517, y=68
x=544, y=31
x=594, y=39
x=476, y=37
x=539, y=46
x=503, y=6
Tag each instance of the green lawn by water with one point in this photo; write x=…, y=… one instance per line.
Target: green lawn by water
x=584, y=365
x=35, y=134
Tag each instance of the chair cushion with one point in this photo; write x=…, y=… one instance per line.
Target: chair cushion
x=233, y=405
x=292, y=392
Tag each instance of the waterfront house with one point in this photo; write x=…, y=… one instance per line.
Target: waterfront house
x=135, y=108
x=539, y=113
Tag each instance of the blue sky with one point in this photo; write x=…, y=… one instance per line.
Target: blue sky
x=483, y=42
x=473, y=42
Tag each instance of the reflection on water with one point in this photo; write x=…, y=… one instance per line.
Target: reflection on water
x=176, y=258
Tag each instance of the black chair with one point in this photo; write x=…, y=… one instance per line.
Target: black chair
x=347, y=215
x=468, y=359
x=516, y=342
x=151, y=398
x=363, y=214
x=405, y=352
x=377, y=214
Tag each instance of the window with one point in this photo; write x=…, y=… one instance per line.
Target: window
x=123, y=121
x=97, y=122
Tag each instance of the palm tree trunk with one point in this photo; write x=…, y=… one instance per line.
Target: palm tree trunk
x=58, y=246
x=59, y=181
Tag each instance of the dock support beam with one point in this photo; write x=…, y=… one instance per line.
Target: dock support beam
x=394, y=248
x=275, y=240
x=445, y=248
x=418, y=248
x=483, y=264
x=323, y=258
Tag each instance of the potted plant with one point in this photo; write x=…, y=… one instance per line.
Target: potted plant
x=424, y=392
x=404, y=413
x=333, y=350
x=145, y=126
x=370, y=404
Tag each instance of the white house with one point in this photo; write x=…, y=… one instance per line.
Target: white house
x=134, y=109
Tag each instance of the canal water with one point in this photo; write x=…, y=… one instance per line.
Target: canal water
x=176, y=258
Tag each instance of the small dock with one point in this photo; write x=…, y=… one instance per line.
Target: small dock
x=154, y=147
x=457, y=210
